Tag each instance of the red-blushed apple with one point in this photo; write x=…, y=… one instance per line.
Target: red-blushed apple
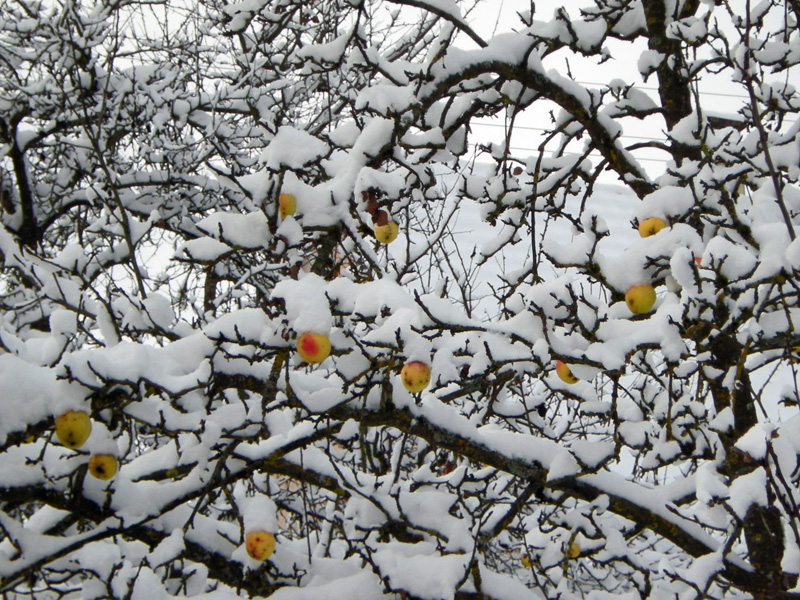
x=313, y=347
x=387, y=233
x=286, y=205
x=259, y=545
x=73, y=428
x=651, y=226
x=640, y=298
x=415, y=376
x=102, y=466
x=564, y=374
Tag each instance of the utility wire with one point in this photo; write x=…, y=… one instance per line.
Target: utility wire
x=532, y=128
x=654, y=89
x=625, y=135
x=591, y=155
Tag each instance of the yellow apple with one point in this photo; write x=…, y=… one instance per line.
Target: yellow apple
x=102, y=466
x=73, y=428
x=386, y=234
x=526, y=561
x=286, y=205
x=574, y=550
x=313, y=347
x=640, y=298
x=564, y=374
x=259, y=544
x=651, y=226
x=415, y=376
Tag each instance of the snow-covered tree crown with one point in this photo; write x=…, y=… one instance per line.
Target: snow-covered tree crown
x=259, y=278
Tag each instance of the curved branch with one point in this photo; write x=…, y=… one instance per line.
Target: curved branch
x=460, y=24
x=644, y=507
x=539, y=82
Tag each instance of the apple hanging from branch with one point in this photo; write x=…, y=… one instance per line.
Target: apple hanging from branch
x=415, y=375
x=651, y=226
x=287, y=205
x=259, y=545
x=640, y=298
x=73, y=428
x=313, y=347
x=102, y=466
x=384, y=229
x=386, y=234
x=573, y=550
x=564, y=373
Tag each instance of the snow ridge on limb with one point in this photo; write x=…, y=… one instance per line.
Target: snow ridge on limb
x=531, y=460
x=571, y=97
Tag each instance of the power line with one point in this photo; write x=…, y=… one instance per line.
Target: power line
x=655, y=89
x=532, y=128
x=544, y=129
x=590, y=155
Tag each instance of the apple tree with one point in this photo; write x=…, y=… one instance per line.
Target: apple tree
x=278, y=322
